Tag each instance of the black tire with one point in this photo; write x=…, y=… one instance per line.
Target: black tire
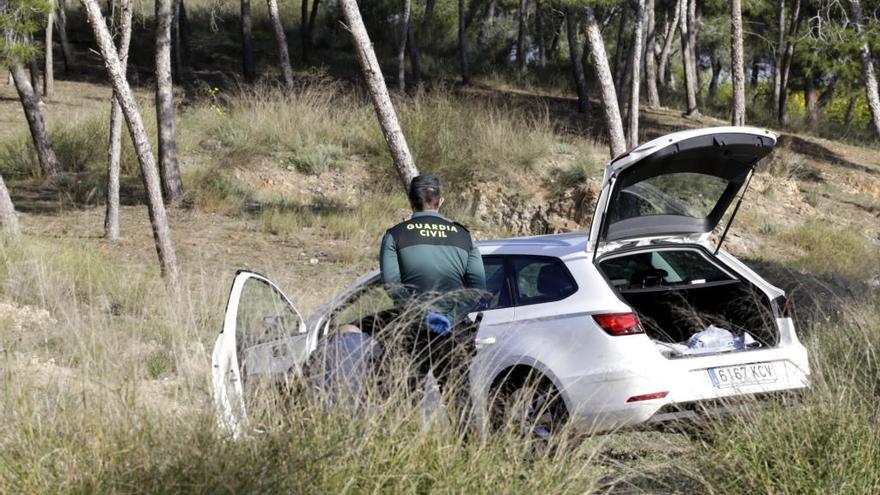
x=529, y=405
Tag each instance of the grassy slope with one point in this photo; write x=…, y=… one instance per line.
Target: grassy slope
x=105, y=380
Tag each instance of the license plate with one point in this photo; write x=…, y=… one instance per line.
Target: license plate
x=743, y=374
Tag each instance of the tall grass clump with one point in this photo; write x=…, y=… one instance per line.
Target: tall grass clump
x=463, y=138
x=108, y=423
x=79, y=142
x=828, y=444
x=265, y=120
x=829, y=250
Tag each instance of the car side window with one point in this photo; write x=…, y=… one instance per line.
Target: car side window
x=541, y=279
x=496, y=282
x=372, y=300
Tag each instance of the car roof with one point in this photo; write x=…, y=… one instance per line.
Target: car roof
x=544, y=245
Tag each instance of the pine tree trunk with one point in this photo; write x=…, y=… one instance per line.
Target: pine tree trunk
x=488, y=19
x=305, y=37
x=521, y=36
x=247, y=42
x=574, y=51
x=61, y=24
x=636, y=63
x=180, y=40
x=867, y=58
x=401, y=52
x=281, y=41
x=788, y=56
x=39, y=134
x=48, y=63
x=412, y=48
x=462, y=46
x=756, y=71
x=620, y=59
x=616, y=139
x=8, y=217
x=34, y=70
x=811, y=99
x=650, y=62
x=715, y=65
x=539, y=34
x=672, y=29
x=114, y=151
x=149, y=173
x=780, y=49
x=690, y=76
x=168, y=166
x=737, y=69
x=400, y=154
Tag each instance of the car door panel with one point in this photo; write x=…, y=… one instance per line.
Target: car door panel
x=263, y=339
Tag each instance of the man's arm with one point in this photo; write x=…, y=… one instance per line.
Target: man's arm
x=390, y=268
x=475, y=276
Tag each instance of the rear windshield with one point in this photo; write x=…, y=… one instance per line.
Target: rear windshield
x=684, y=194
x=661, y=268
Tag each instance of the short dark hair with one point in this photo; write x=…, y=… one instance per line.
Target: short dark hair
x=424, y=192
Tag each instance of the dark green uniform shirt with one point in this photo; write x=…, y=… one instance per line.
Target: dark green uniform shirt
x=434, y=258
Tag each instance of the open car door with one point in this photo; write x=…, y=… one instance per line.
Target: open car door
x=264, y=339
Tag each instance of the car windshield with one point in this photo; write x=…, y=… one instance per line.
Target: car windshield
x=684, y=194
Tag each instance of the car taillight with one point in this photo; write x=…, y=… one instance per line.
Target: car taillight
x=619, y=323
x=655, y=395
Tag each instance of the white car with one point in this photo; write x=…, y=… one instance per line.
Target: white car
x=611, y=322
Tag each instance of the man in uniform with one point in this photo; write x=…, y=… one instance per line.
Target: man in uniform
x=431, y=262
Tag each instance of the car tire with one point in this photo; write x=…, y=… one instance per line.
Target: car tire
x=528, y=405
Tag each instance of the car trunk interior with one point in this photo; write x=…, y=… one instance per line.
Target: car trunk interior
x=680, y=292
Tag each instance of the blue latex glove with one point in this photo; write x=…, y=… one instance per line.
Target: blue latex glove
x=438, y=324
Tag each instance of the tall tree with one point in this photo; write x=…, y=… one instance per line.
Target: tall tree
x=30, y=103
x=779, y=49
x=8, y=218
x=650, y=62
x=404, y=39
x=668, y=37
x=462, y=45
x=687, y=24
x=281, y=41
x=521, y=35
x=636, y=55
x=123, y=13
x=149, y=173
x=787, y=58
x=616, y=140
x=168, y=166
x=61, y=24
x=737, y=69
x=247, y=42
x=574, y=50
x=400, y=154
x=868, y=72
x=48, y=63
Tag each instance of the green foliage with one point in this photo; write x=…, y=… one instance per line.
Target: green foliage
x=18, y=20
x=315, y=159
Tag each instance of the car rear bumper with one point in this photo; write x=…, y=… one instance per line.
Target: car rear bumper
x=611, y=399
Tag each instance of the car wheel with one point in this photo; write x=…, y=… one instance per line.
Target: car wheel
x=528, y=405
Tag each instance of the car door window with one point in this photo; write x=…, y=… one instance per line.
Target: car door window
x=371, y=307
x=496, y=282
x=541, y=279
x=264, y=315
